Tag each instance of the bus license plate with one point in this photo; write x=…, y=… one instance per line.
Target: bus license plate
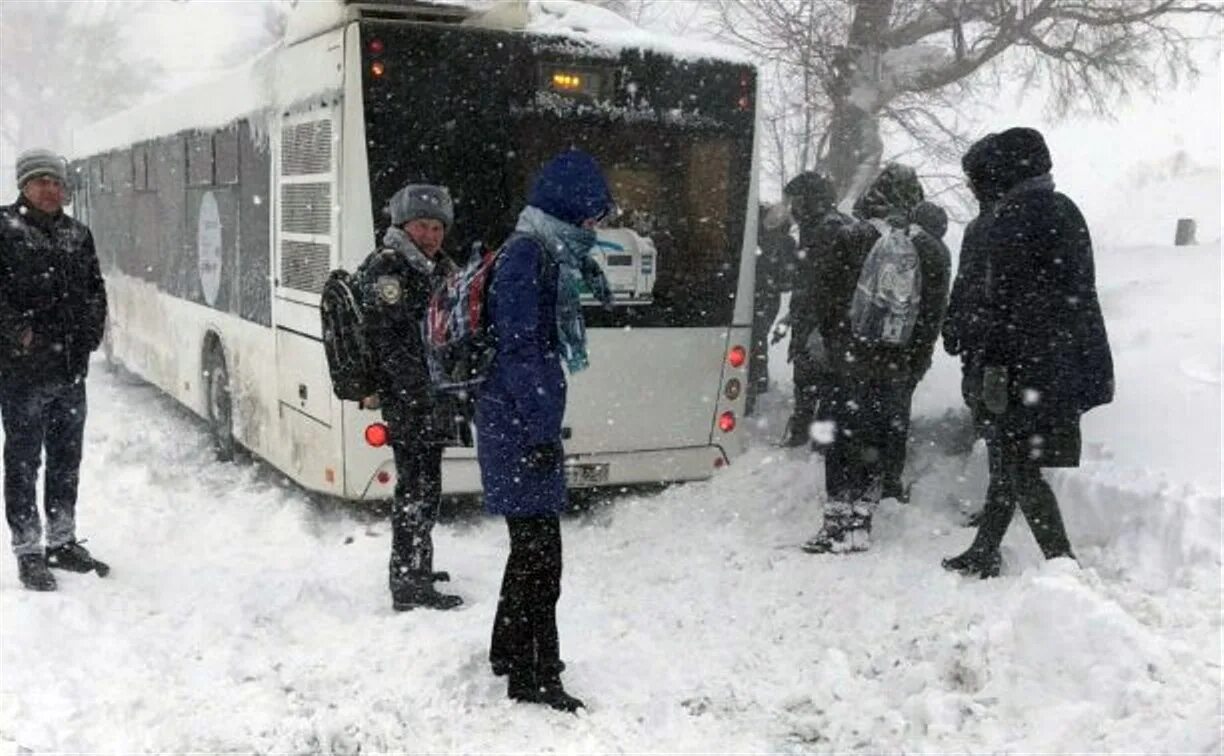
x=578, y=475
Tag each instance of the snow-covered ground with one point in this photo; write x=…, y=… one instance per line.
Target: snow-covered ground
x=241, y=615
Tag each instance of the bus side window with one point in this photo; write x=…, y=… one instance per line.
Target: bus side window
x=200, y=160
x=225, y=150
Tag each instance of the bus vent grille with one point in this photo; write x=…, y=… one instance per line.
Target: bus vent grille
x=306, y=208
x=304, y=266
x=306, y=148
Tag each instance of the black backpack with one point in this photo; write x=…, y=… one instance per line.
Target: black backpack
x=349, y=358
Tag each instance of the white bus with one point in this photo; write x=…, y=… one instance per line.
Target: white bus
x=219, y=211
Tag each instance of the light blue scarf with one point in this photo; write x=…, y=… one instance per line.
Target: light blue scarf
x=570, y=247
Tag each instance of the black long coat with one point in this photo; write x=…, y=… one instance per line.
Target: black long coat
x=50, y=283
x=1043, y=320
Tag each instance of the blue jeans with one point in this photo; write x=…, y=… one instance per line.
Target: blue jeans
x=34, y=417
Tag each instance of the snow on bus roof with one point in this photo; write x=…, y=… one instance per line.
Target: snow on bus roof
x=239, y=92
x=247, y=91
x=604, y=28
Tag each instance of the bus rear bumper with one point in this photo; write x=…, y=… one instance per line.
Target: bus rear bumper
x=461, y=473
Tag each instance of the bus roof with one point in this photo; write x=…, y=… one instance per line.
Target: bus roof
x=248, y=91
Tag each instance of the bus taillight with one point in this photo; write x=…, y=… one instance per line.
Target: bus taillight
x=383, y=477
x=732, y=389
x=377, y=69
x=737, y=356
x=726, y=421
x=376, y=46
x=376, y=434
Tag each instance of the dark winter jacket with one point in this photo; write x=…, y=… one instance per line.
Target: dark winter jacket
x=395, y=283
x=892, y=197
x=522, y=401
x=50, y=283
x=775, y=262
x=812, y=200
x=963, y=329
x=1043, y=320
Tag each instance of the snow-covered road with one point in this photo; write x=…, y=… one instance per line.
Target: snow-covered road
x=243, y=615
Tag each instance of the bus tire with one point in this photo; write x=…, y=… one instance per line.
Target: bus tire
x=218, y=404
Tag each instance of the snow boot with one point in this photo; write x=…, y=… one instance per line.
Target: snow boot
x=545, y=689
x=838, y=541
x=798, y=431
x=419, y=591
x=982, y=563
x=32, y=569
x=74, y=557
x=552, y=694
x=846, y=529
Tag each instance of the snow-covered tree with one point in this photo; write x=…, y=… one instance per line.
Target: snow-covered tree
x=839, y=68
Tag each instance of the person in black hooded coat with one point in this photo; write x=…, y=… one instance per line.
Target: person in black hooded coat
x=963, y=327
x=1044, y=350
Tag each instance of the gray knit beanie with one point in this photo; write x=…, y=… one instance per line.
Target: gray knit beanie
x=34, y=163
x=421, y=201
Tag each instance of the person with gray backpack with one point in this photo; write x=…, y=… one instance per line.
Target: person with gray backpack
x=883, y=292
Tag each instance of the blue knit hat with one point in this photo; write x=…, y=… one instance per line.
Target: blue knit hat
x=572, y=188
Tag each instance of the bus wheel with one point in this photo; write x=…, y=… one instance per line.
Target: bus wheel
x=219, y=405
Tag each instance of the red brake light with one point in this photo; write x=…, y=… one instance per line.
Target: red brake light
x=737, y=356
x=726, y=422
x=376, y=46
x=376, y=434
x=384, y=477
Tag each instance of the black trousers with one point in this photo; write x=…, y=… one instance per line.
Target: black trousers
x=758, y=358
x=872, y=420
x=1019, y=483
x=50, y=416
x=525, y=628
x=418, y=496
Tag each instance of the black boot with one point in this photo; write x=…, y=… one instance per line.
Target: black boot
x=522, y=686
x=798, y=431
x=552, y=694
x=74, y=557
x=417, y=591
x=32, y=569
x=982, y=558
x=982, y=563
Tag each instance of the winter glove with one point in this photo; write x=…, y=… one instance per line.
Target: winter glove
x=994, y=389
x=817, y=351
x=544, y=457
x=780, y=330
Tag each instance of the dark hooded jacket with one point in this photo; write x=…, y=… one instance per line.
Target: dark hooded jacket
x=964, y=326
x=892, y=197
x=50, y=283
x=813, y=206
x=1042, y=318
x=522, y=402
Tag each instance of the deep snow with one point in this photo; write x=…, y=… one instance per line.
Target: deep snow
x=242, y=615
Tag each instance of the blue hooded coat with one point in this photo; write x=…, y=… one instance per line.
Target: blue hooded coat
x=522, y=401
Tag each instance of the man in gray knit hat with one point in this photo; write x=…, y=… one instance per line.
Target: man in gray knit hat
x=52, y=314
x=394, y=285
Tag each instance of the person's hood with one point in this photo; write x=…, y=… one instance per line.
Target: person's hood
x=931, y=218
x=1018, y=154
x=571, y=187
x=894, y=192
x=979, y=164
x=810, y=196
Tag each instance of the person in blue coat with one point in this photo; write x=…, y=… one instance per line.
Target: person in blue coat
x=537, y=318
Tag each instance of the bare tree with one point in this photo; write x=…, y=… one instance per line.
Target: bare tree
x=64, y=63
x=845, y=69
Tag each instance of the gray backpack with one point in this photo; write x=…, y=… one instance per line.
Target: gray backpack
x=889, y=290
